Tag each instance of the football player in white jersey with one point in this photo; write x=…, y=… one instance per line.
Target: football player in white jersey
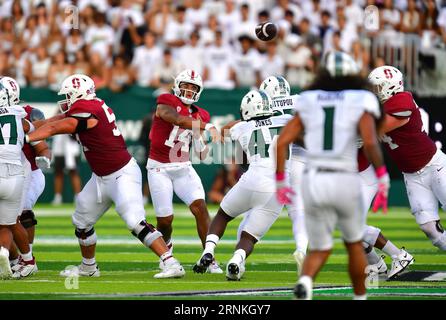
x=13, y=127
x=257, y=134
x=37, y=156
x=278, y=88
x=331, y=114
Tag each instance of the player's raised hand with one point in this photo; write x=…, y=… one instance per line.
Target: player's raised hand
x=284, y=193
x=383, y=190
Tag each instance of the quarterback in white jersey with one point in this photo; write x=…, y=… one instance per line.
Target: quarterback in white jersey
x=257, y=134
x=13, y=127
x=330, y=114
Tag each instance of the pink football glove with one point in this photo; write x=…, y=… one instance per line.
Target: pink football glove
x=284, y=192
x=383, y=190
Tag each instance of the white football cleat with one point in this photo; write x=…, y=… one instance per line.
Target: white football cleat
x=203, y=264
x=25, y=269
x=81, y=271
x=16, y=265
x=379, y=268
x=5, y=268
x=172, y=270
x=400, y=263
x=299, y=256
x=234, y=270
x=214, y=268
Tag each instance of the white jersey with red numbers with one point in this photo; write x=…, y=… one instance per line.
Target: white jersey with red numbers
x=170, y=143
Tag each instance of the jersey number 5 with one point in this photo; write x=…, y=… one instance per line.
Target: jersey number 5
x=111, y=118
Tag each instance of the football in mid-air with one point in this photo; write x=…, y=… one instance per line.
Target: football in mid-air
x=266, y=31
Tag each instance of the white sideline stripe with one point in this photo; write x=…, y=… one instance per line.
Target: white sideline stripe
x=117, y=241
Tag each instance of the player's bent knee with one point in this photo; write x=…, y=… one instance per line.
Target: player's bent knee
x=86, y=237
x=28, y=219
x=164, y=222
x=435, y=232
x=198, y=206
x=146, y=233
x=371, y=235
x=250, y=236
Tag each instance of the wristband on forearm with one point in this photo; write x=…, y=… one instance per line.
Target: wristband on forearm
x=381, y=171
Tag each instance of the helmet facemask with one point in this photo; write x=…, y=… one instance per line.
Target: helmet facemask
x=187, y=95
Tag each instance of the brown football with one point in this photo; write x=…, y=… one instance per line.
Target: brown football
x=266, y=31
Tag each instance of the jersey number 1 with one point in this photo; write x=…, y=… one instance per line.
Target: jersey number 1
x=11, y=120
x=328, y=127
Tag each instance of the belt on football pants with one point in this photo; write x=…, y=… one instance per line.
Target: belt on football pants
x=327, y=170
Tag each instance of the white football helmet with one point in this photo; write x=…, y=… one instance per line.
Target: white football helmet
x=386, y=81
x=4, y=97
x=339, y=64
x=13, y=89
x=188, y=76
x=276, y=87
x=76, y=87
x=256, y=103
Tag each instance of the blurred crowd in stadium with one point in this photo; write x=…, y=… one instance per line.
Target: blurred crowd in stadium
x=124, y=42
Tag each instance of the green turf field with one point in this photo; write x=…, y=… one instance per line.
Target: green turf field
x=127, y=267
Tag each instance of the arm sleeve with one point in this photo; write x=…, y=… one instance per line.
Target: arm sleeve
x=166, y=99
x=401, y=105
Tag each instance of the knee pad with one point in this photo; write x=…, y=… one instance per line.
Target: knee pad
x=371, y=235
x=435, y=232
x=28, y=219
x=86, y=237
x=146, y=233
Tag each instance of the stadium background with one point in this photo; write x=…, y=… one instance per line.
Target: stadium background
x=132, y=48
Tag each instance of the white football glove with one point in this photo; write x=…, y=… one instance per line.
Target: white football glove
x=43, y=162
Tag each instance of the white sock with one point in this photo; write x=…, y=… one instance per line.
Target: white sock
x=58, y=197
x=239, y=256
x=307, y=282
x=167, y=258
x=361, y=297
x=391, y=250
x=31, y=246
x=27, y=256
x=89, y=262
x=169, y=245
x=211, y=243
x=373, y=257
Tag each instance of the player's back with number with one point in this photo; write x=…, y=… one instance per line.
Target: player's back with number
x=11, y=134
x=257, y=138
x=103, y=145
x=409, y=145
x=331, y=122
